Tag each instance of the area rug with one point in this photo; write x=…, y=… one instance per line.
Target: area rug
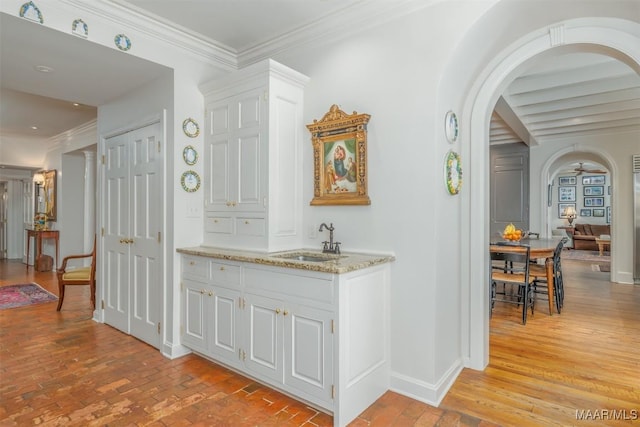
x=592, y=256
x=13, y=296
x=605, y=268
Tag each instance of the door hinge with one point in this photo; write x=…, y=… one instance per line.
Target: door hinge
x=102, y=304
x=266, y=95
x=102, y=231
x=159, y=236
x=333, y=391
x=103, y=159
x=241, y=354
x=181, y=286
x=158, y=327
x=241, y=303
x=158, y=146
x=332, y=326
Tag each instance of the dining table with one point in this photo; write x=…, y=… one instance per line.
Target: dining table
x=539, y=248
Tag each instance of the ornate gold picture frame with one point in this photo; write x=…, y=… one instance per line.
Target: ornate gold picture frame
x=340, y=158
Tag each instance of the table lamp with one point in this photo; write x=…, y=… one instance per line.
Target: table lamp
x=570, y=214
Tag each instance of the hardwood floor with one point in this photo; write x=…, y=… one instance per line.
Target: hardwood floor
x=62, y=368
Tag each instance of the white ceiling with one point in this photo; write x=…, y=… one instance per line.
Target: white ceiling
x=562, y=95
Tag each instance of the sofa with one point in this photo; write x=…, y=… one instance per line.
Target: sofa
x=584, y=235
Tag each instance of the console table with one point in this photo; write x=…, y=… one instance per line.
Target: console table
x=39, y=235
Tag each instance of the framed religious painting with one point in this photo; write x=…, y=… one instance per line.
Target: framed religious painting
x=340, y=158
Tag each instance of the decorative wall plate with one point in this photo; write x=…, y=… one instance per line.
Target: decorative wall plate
x=190, y=128
x=190, y=155
x=122, y=42
x=451, y=126
x=31, y=12
x=190, y=181
x=80, y=28
x=453, y=172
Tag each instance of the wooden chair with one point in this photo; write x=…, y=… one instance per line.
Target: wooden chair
x=78, y=276
x=509, y=273
x=539, y=274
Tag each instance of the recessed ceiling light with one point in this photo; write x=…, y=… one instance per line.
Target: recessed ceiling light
x=75, y=104
x=44, y=69
x=34, y=127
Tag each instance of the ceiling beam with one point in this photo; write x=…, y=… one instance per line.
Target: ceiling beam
x=504, y=110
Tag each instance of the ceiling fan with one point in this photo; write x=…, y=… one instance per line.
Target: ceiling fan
x=580, y=170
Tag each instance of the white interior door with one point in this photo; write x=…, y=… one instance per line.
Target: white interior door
x=146, y=195
x=116, y=230
x=132, y=240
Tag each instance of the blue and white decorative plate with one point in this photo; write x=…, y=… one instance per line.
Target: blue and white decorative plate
x=31, y=12
x=190, y=128
x=80, y=28
x=451, y=126
x=122, y=42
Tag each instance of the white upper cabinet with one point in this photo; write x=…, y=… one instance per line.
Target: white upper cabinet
x=253, y=152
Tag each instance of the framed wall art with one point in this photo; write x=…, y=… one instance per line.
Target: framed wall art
x=562, y=209
x=566, y=194
x=585, y=212
x=340, y=158
x=598, y=212
x=593, y=191
x=567, y=180
x=594, y=201
x=593, y=180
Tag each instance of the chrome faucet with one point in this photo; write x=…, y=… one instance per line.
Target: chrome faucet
x=329, y=247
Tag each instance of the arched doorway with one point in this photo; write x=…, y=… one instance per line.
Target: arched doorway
x=601, y=35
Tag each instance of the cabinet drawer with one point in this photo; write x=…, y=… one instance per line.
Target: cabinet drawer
x=250, y=226
x=195, y=268
x=291, y=284
x=218, y=224
x=227, y=275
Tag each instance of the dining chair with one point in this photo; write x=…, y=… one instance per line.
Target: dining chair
x=510, y=279
x=78, y=276
x=539, y=274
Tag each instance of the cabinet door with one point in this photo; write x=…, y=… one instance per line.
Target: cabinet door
x=196, y=306
x=235, y=154
x=225, y=335
x=308, y=350
x=264, y=318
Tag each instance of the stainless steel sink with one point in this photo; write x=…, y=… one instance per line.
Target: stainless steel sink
x=308, y=257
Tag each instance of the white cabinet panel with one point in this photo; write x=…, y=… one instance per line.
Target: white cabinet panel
x=226, y=333
x=264, y=336
x=309, y=351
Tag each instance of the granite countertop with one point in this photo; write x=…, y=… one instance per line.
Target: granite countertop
x=338, y=264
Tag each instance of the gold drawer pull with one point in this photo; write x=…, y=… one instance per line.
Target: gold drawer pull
x=246, y=222
x=221, y=268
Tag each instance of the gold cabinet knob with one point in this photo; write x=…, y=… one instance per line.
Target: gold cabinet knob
x=285, y=312
x=277, y=311
x=221, y=268
x=210, y=293
x=246, y=222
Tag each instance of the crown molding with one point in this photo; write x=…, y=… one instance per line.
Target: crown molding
x=359, y=16
x=63, y=138
x=123, y=14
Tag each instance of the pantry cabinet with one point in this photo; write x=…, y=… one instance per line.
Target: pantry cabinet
x=253, y=149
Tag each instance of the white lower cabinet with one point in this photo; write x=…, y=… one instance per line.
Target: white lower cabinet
x=280, y=326
x=291, y=344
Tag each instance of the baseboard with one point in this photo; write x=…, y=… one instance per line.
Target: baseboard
x=431, y=394
x=171, y=351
